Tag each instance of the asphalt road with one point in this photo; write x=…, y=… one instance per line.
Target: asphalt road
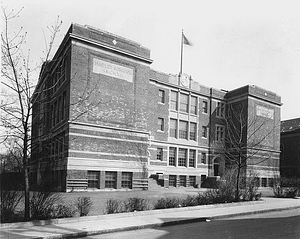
x=275, y=225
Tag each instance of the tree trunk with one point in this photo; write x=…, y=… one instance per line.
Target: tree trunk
x=26, y=178
x=237, y=191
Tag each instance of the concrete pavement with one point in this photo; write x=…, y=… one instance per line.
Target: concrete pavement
x=91, y=225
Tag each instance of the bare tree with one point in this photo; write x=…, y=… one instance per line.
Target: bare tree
x=19, y=81
x=248, y=140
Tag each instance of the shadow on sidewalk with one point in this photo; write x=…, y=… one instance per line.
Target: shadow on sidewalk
x=259, y=226
x=41, y=231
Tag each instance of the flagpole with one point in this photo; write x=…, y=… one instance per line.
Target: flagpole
x=181, y=55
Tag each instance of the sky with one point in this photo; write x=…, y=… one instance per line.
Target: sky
x=235, y=43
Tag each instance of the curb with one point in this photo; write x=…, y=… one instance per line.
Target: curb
x=163, y=224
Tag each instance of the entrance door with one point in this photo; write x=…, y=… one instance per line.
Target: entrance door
x=216, y=169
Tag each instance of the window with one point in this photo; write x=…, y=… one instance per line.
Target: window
x=203, y=158
x=220, y=110
x=257, y=181
x=184, y=103
x=159, y=154
x=172, y=180
x=172, y=156
x=205, y=107
x=193, y=107
x=126, y=180
x=182, y=180
x=203, y=178
x=173, y=128
x=93, y=179
x=161, y=96
x=264, y=182
x=192, y=158
x=161, y=124
x=110, y=179
x=192, y=180
x=220, y=133
x=270, y=182
x=193, y=130
x=204, y=131
x=174, y=100
x=183, y=129
x=182, y=153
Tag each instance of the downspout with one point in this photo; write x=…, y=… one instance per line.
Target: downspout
x=209, y=135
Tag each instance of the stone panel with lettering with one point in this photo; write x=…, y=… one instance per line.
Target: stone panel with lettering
x=113, y=70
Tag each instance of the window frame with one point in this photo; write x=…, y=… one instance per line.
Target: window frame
x=108, y=182
x=126, y=180
x=172, y=181
x=174, y=101
x=182, y=161
x=192, y=180
x=220, y=134
x=159, y=154
x=194, y=133
x=264, y=182
x=220, y=109
x=183, y=133
x=172, y=157
x=173, y=131
x=161, y=96
x=193, y=105
x=182, y=180
x=204, y=132
x=193, y=160
x=204, y=106
x=93, y=179
x=161, y=124
x=184, y=105
x=203, y=158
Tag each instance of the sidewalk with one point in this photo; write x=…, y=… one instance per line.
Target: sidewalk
x=84, y=226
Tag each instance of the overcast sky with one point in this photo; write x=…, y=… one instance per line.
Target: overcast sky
x=235, y=43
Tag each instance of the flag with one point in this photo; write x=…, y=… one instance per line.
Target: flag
x=186, y=41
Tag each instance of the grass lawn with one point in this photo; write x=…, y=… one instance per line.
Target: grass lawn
x=99, y=198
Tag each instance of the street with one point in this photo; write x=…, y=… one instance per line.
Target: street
x=284, y=224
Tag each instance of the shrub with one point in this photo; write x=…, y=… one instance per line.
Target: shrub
x=42, y=204
x=290, y=192
x=64, y=211
x=83, y=205
x=136, y=204
x=113, y=206
x=249, y=193
x=213, y=196
x=168, y=202
x=9, y=202
x=189, y=201
x=286, y=187
x=227, y=186
x=201, y=199
x=278, y=191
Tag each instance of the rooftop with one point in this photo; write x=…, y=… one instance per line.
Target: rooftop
x=290, y=125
